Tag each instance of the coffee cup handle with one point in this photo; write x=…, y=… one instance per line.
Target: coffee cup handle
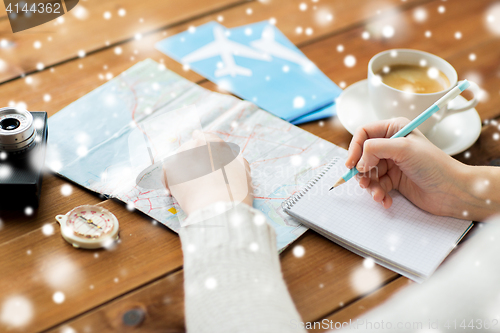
x=468, y=105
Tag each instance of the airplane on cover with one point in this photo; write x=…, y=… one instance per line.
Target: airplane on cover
x=268, y=45
x=226, y=49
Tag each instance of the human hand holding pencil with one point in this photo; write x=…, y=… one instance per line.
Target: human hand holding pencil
x=423, y=173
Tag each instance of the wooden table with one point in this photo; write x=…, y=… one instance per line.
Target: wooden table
x=144, y=272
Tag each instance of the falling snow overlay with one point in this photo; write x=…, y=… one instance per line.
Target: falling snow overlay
x=282, y=157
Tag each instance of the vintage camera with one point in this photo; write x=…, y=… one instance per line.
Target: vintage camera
x=23, y=140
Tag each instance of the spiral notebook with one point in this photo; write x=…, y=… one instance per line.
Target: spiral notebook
x=403, y=238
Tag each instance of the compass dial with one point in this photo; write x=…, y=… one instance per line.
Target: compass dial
x=89, y=227
x=90, y=223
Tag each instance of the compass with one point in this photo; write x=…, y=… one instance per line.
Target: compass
x=89, y=227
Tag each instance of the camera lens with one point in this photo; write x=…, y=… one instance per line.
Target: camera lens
x=17, y=130
x=9, y=124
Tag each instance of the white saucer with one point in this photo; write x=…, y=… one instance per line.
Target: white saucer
x=453, y=135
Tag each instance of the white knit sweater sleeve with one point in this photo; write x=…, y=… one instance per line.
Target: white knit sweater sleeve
x=232, y=276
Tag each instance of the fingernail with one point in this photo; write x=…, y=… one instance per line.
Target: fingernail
x=361, y=164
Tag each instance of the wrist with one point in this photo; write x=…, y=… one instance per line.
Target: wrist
x=478, y=188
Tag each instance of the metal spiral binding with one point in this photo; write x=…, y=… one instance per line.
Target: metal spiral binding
x=288, y=203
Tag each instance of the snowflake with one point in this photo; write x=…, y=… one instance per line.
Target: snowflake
x=16, y=311
x=388, y=31
x=254, y=247
x=296, y=160
x=210, y=283
x=420, y=14
x=259, y=219
x=364, y=280
x=298, y=251
x=66, y=190
x=349, y=61
x=48, y=229
x=433, y=73
x=299, y=102
x=5, y=170
x=82, y=151
x=58, y=297
x=28, y=211
x=80, y=12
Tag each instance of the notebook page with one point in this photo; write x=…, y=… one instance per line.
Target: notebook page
x=403, y=234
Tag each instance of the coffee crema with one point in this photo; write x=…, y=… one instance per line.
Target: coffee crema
x=416, y=79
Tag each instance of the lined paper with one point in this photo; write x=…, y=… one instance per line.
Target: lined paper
x=403, y=235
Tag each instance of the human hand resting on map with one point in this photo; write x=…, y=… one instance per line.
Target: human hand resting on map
x=203, y=191
x=423, y=173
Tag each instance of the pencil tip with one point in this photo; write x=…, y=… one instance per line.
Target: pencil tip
x=340, y=182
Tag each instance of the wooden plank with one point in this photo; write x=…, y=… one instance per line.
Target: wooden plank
x=361, y=306
x=487, y=147
x=161, y=303
x=323, y=261
x=327, y=276
x=36, y=265
x=85, y=28
x=69, y=81
x=61, y=41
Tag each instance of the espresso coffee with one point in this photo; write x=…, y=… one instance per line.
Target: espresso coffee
x=416, y=79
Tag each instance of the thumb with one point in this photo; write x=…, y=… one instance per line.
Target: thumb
x=375, y=150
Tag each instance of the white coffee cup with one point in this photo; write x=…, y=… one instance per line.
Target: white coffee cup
x=389, y=102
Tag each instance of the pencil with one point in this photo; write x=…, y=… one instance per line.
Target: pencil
x=440, y=103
